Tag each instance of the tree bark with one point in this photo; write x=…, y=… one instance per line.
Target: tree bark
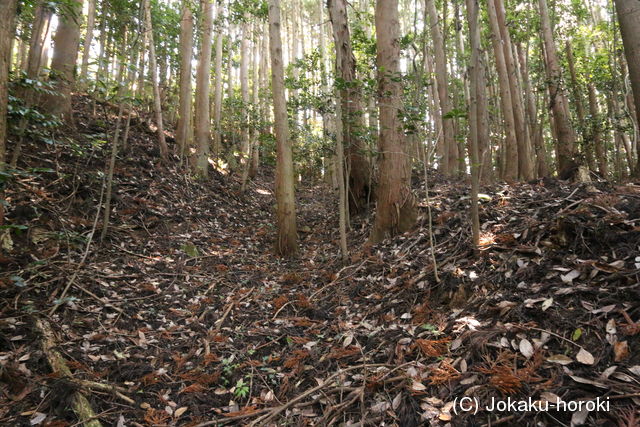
x=449, y=151
x=63, y=62
x=595, y=133
x=396, y=210
x=535, y=128
x=37, y=42
x=522, y=132
x=88, y=38
x=629, y=18
x=286, y=242
x=566, y=137
x=186, y=54
x=476, y=85
x=217, y=92
x=352, y=114
x=7, y=17
x=578, y=102
x=202, y=130
x=510, y=152
x=245, y=143
x=164, y=150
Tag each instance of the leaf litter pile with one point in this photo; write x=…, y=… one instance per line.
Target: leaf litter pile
x=183, y=316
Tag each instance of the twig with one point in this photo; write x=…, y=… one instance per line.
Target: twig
x=277, y=410
x=554, y=334
x=84, y=256
x=232, y=304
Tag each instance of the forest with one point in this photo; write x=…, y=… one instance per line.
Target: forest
x=319, y=213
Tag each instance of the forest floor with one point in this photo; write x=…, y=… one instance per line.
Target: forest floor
x=188, y=318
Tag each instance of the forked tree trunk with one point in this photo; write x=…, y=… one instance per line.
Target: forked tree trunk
x=352, y=114
x=63, y=63
x=286, y=240
x=186, y=54
x=448, y=151
x=88, y=38
x=629, y=18
x=566, y=136
x=164, y=150
x=396, y=210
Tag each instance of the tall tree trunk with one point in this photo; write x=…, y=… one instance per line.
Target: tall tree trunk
x=476, y=86
x=39, y=33
x=535, y=128
x=352, y=114
x=164, y=150
x=217, y=92
x=63, y=63
x=629, y=18
x=88, y=38
x=510, y=152
x=578, y=102
x=245, y=142
x=522, y=132
x=286, y=242
x=258, y=46
x=449, y=160
x=7, y=17
x=558, y=100
x=202, y=131
x=396, y=210
x=596, y=132
x=186, y=54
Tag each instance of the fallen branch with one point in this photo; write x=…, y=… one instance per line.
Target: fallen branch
x=279, y=409
x=79, y=402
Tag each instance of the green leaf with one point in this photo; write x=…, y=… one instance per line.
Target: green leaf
x=576, y=334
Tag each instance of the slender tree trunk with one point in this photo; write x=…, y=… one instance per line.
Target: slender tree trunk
x=578, y=101
x=535, y=128
x=522, y=132
x=245, y=143
x=217, y=92
x=164, y=150
x=510, y=152
x=63, y=63
x=558, y=99
x=352, y=114
x=186, y=54
x=449, y=160
x=476, y=85
x=88, y=38
x=396, y=206
x=629, y=18
x=202, y=123
x=258, y=46
x=114, y=148
x=596, y=132
x=39, y=33
x=7, y=29
x=35, y=62
x=286, y=243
